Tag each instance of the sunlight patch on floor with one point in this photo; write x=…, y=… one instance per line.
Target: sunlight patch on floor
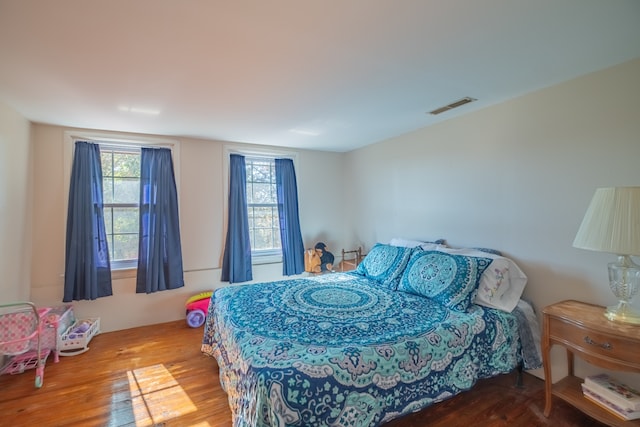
x=157, y=397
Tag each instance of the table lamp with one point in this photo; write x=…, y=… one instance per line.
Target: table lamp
x=612, y=224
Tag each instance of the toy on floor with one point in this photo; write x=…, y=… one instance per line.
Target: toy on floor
x=21, y=343
x=326, y=257
x=197, y=307
x=318, y=259
x=79, y=329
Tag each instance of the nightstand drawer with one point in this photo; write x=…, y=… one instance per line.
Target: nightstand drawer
x=592, y=342
x=583, y=331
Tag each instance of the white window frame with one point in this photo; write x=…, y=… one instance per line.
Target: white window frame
x=125, y=270
x=257, y=257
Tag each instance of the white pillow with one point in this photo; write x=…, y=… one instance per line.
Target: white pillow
x=501, y=284
x=407, y=243
x=428, y=246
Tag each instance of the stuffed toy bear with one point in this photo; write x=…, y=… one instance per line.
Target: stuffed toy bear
x=326, y=257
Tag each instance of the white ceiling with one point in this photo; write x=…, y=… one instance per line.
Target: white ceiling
x=319, y=74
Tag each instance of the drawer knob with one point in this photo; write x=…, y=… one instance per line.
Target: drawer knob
x=604, y=345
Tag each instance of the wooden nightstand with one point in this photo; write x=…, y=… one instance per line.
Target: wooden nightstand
x=584, y=330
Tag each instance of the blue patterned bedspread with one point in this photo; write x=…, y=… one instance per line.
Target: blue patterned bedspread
x=340, y=350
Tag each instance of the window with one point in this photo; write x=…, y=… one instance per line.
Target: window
x=121, y=192
x=262, y=206
x=120, y=161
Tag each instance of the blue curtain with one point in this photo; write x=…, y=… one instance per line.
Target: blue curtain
x=290, y=235
x=87, y=272
x=236, y=263
x=159, y=252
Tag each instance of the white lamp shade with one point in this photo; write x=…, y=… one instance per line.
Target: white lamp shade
x=612, y=222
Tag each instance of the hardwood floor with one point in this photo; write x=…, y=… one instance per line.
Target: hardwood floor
x=156, y=376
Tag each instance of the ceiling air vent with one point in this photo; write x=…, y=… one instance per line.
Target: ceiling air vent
x=453, y=105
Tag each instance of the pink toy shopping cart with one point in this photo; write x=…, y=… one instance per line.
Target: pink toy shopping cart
x=21, y=327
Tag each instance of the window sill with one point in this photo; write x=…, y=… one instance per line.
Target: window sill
x=266, y=259
x=123, y=273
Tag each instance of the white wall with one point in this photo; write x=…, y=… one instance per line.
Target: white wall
x=202, y=198
x=517, y=176
x=15, y=213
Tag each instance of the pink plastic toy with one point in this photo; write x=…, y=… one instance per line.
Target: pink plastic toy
x=197, y=307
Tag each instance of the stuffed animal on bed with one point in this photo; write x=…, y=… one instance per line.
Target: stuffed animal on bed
x=326, y=257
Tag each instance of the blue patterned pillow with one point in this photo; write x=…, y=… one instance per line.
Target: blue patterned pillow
x=385, y=264
x=451, y=280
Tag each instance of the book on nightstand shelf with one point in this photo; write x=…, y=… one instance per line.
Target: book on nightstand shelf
x=614, y=391
x=625, y=414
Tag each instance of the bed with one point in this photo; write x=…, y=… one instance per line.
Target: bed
x=402, y=332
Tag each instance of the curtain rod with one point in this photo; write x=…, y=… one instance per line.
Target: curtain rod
x=124, y=145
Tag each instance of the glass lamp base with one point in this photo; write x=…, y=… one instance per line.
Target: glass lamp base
x=624, y=280
x=623, y=313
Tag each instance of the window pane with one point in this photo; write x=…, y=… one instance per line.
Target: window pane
x=107, y=190
x=263, y=239
x=277, y=243
x=125, y=220
x=125, y=247
x=126, y=190
x=265, y=230
x=264, y=193
x=260, y=172
x=126, y=165
x=263, y=217
x=249, y=193
x=108, y=220
x=106, y=159
x=121, y=225
x=251, y=215
x=110, y=242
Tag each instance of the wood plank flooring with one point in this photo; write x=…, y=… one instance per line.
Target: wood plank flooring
x=156, y=376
